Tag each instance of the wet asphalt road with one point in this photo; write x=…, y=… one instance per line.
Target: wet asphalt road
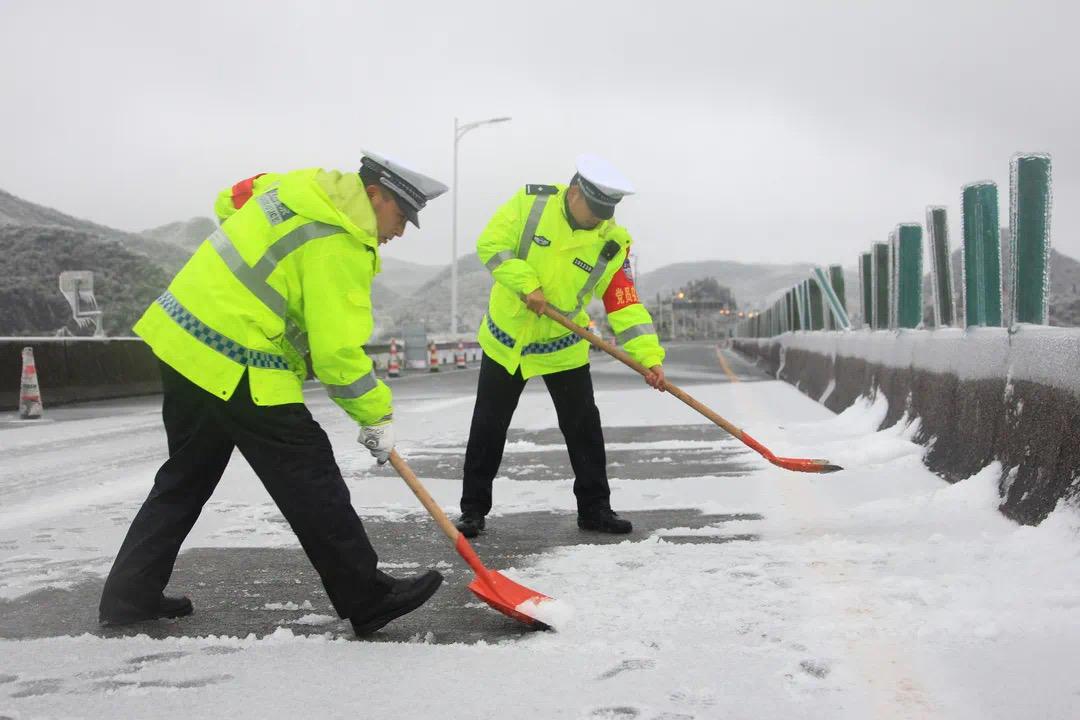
x=231, y=587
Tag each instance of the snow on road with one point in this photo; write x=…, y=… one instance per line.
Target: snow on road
x=877, y=592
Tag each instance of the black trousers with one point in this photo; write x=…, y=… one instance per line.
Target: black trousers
x=497, y=395
x=292, y=457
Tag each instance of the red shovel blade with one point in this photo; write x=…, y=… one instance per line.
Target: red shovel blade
x=499, y=591
x=797, y=464
x=807, y=466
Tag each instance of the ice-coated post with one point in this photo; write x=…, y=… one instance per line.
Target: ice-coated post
x=893, y=274
x=796, y=309
x=866, y=288
x=1029, y=223
x=940, y=266
x=788, y=314
x=909, y=309
x=836, y=279
x=880, y=286
x=982, y=255
x=817, y=319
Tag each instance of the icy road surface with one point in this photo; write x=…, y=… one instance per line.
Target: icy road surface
x=744, y=592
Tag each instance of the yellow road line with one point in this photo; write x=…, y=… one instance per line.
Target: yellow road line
x=724, y=365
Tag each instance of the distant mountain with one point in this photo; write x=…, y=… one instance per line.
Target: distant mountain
x=187, y=234
x=33, y=256
x=754, y=284
x=430, y=303
x=18, y=212
x=404, y=277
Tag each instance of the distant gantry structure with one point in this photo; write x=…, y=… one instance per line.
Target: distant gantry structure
x=77, y=286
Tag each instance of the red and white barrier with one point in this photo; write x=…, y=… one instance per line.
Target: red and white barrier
x=30, y=390
x=393, y=366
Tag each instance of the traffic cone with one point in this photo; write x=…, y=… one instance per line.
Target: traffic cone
x=434, y=367
x=29, y=391
x=393, y=367
x=461, y=356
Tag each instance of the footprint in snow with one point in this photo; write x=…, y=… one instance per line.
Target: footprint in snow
x=817, y=668
x=156, y=658
x=620, y=712
x=632, y=664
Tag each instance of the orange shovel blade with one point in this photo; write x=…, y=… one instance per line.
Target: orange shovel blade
x=499, y=591
x=505, y=595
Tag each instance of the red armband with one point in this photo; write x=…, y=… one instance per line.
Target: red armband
x=621, y=292
x=243, y=190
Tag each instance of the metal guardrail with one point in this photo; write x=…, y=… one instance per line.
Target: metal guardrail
x=992, y=293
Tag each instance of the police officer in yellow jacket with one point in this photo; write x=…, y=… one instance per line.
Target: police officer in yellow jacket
x=556, y=246
x=289, y=270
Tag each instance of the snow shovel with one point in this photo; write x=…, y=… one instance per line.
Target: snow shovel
x=795, y=464
x=494, y=588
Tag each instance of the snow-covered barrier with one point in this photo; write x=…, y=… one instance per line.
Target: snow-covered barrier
x=86, y=368
x=983, y=394
x=78, y=369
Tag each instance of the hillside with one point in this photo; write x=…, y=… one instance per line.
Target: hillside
x=186, y=235
x=404, y=277
x=31, y=259
x=15, y=211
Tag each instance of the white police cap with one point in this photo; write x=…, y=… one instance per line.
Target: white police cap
x=602, y=184
x=411, y=189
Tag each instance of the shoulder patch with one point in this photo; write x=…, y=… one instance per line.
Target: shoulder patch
x=540, y=189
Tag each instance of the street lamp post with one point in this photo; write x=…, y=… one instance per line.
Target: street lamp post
x=459, y=131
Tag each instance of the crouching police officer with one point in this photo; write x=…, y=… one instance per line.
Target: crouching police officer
x=557, y=246
x=289, y=269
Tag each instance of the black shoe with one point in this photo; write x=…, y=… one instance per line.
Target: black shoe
x=470, y=523
x=605, y=521
x=404, y=597
x=168, y=607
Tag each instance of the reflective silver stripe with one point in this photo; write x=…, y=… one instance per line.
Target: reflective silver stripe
x=293, y=239
x=365, y=384
x=296, y=337
x=254, y=278
x=526, y=242
x=635, y=331
x=499, y=258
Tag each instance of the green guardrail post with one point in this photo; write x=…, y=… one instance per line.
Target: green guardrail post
x=804, y=293
x=835, y=314
x=1029, y=224
x=982, y=255
x=880, y=285
x=909, y=307
x=788, y=321
x=836, y=279
x=866, y=288
x=796, y=309
x=941, y=280
x=894, y=273
x=817, y=314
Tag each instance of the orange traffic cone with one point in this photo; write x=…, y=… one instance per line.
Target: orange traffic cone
x=434, y=366
x=393, y=367
x=461, y=356
x=29, y=391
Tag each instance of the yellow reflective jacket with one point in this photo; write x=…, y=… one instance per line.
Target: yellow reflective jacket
x=291, y=268
x=529, y=244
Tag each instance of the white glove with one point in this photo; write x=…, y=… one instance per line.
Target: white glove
x=379, y=439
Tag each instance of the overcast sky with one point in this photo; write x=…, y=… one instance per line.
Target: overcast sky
x=756, y=131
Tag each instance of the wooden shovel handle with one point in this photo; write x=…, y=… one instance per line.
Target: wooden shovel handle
x=423, y=496
x=624, y=357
